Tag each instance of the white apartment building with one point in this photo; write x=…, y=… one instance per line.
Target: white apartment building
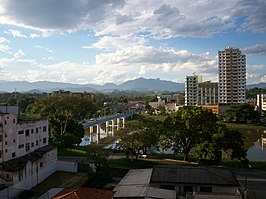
x=26, y=159
x=261, y=102
x=232, y=76
x=20, y=137
x=191, y=90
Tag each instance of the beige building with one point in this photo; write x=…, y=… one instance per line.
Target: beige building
x=207, y=93
x=232, y=76
x=191, y=90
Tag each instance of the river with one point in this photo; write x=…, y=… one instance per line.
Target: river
x=255, y=143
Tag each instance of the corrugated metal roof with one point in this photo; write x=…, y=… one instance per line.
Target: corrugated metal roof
x=193, y=175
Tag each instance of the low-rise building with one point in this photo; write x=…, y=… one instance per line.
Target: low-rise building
x=26, y=159
x=166, y=182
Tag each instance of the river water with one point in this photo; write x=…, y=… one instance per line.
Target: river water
x=255, y=143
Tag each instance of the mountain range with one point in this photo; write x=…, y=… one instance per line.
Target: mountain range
x=140, y=84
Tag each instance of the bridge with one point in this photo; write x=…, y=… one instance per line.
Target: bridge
x=98, y=128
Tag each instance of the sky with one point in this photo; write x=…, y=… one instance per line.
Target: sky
x=113, y=41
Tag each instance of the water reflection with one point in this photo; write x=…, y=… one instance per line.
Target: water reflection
x=255, y=143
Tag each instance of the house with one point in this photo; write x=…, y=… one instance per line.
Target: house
x=84, y=193
x=136, y=185
x=26, y=159
x=167, y=181
x=189, y=180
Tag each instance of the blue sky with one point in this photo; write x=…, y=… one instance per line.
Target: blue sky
x=88, y=41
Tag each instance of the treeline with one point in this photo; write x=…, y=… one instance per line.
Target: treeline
x=252, y=93
x=189, y=128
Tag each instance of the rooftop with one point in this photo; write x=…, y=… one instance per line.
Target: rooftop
x=136, y=184
x=193, y=175
x=84, y=193
x=20, y=162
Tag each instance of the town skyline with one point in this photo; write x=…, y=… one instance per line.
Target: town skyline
x=116, y=41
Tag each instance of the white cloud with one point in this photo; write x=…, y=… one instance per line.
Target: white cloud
x=19, y=54
x=4, y=48
x=15, y=33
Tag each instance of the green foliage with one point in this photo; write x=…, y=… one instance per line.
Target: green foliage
x=209, y=153
x=99, y=169
x=188, y=127
x=139, y=135
x=242, y=113
x=63, y=112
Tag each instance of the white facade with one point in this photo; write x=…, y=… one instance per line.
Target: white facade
x=191, y=90
x=20, y=137
x=261, y=102
x=232, y=76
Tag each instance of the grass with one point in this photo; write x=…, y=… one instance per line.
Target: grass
x=191, y=158
x=60, y=180
x=155, y=117
x=257, y=165
x=245, y=126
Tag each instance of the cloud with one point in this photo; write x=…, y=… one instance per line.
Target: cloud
x=156, y=18
x=58, y=15
x=46, y=49
x=15, y=33
x=256, y=19
x=19, y=54
x=4, y=48
x=257, y=49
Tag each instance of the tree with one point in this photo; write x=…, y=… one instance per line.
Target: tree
x=242, y=113
x=63, y=112
x=139, y=135
x=230, y=141
x=189, y=126
x=209, y=153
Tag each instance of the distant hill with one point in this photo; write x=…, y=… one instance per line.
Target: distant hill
x=259, y=85
x=140, y=84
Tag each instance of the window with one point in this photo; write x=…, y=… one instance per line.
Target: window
x=41, y=164
x=44, y=140
x=20, y=132
x=5, y=122
x=14, y=141
x=6, y=150
x=27, y=132
x=44, y=129
x=32, y=144
x=37, y=130
x=14, y=121
x=21, y=146
x=27, y=146
x=37, y=142
x=32, y=131
x=5, y=142
x=13, y=155
x=7, y=176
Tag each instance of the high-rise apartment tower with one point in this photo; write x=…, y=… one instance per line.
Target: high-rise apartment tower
x=191, y=90
x=232, y=76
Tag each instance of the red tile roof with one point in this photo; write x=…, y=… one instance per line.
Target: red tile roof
x=84, y=193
